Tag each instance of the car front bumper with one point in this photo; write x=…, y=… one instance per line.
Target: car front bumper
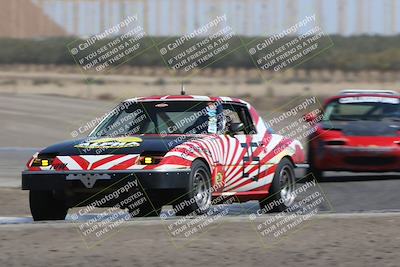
x=75, y=180
x=359, y=159
x=81, y=188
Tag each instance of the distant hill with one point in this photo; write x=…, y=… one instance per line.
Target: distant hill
x=23, y=19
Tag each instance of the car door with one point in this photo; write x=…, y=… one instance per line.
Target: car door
x=242, y=163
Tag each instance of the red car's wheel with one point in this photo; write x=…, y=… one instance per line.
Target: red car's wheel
x=316, y=172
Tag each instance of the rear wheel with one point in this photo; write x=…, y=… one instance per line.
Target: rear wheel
x=44, y=206
x=317, y=173
x=198, y=197
x=281, y=195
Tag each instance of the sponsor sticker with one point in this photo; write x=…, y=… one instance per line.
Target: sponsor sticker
x=218, y=178
x=119, y=142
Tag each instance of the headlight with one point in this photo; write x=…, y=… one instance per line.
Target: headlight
x=42, y=160
x=30, y=161
x=38, y=162
x=151, y=158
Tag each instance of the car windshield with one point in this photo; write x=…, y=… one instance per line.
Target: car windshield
x=169, y=117
x=363, y=108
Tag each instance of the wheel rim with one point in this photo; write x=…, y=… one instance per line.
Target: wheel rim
x=202, y=192
x=287, y=184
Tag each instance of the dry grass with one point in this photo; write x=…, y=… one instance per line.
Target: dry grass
x=265, y=89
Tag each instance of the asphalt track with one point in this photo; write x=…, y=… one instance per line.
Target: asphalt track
x=346, y=192
x=33, y=120
x=359, y=227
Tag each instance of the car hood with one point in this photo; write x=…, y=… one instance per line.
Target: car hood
x=364, y=128
x=118, y=145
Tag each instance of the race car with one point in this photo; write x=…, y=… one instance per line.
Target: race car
x=181, y=150
x=359, y=132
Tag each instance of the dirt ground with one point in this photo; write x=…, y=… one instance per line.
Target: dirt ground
x=126, y=86
x=31, y=118
x=353, y=241
x=326, y=240
x=14, y=202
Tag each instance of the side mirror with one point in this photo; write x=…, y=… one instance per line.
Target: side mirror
x=235, y=128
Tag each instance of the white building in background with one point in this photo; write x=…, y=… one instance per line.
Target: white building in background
x=246, y=17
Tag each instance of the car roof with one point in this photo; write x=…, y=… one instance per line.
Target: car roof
x=367, y=91
x=186, y=98
x=333, y=98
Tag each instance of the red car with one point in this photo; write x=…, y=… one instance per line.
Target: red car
x=359, y=132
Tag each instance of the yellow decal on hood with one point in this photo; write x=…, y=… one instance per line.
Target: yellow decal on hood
x=118, y=142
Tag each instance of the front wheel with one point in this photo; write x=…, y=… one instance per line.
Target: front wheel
x=281, y=193
x=44, y=206
x=198, y=197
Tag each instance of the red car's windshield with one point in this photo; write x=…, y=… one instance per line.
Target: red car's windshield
x=363, y=108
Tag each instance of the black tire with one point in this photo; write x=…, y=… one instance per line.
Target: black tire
x=275, y=202
x=197, y=199
x=45, y=207
x=317, y=174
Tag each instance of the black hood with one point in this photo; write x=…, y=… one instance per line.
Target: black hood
x=146, y=144
x=364, y=128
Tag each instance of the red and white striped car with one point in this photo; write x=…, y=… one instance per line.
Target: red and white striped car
x=187, y=147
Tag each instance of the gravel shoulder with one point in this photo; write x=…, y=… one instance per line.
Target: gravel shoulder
x=14, y=202
x=324, y=241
